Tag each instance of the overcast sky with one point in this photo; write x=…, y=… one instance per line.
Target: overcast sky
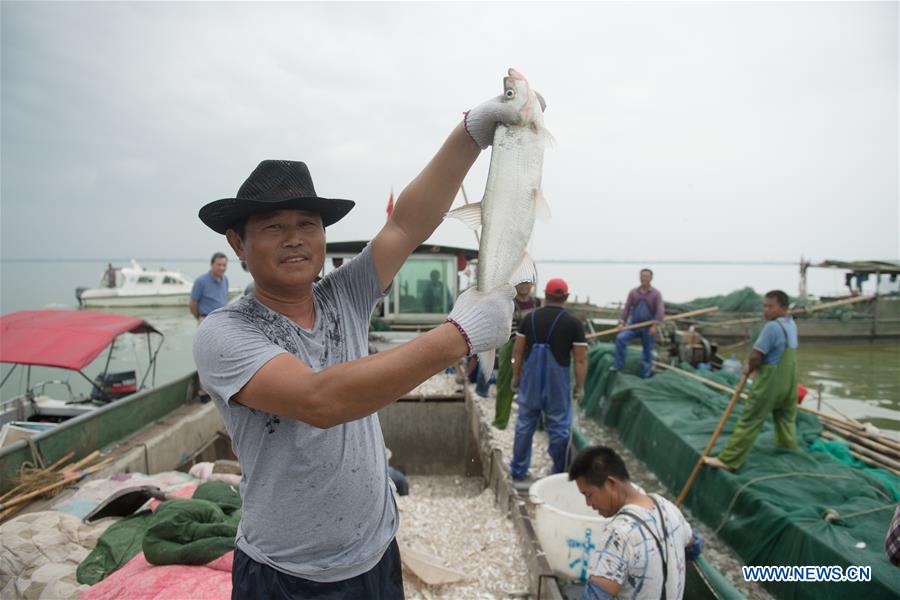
x=727, y=131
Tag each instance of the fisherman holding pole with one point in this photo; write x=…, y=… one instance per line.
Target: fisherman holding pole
x=644, y=303
x=288, y=369
x=774, y=360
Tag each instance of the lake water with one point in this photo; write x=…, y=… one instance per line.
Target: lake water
x=859, y=379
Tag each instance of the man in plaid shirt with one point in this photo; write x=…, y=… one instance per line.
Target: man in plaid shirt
x=892, y=541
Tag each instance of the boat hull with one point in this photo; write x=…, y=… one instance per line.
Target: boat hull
x=89, y=300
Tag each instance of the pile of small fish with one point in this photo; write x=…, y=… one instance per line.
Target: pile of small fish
x=456, y=519
x=541, y=463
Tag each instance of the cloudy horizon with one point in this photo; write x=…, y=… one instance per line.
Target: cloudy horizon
x=684, y=131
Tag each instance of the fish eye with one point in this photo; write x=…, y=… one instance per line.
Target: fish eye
x=510, y=93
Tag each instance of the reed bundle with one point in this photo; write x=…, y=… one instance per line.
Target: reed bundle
x=33, y=483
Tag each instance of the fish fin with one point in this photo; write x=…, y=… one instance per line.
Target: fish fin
x=486, y=363
x=541, y=100
x=541, y=208
x=470, y=215
x=526, y=271
x=546, y=138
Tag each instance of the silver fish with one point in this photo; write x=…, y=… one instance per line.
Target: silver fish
x=512, y=197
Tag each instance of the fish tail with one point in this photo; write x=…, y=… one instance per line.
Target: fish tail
x=486, y=363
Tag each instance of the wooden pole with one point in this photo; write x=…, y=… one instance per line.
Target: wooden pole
x=712, y=441
x=845, y=429
x=879, y=460
x=869, y=442
x=842, y=427
x=797, y=311
x=725, y=388
x=693, y=313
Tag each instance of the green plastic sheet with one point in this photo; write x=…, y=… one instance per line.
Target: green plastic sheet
x=772, y=511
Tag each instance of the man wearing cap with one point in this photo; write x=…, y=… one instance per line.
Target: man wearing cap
x=644, y=303
x=288, y=368
x=545, y=341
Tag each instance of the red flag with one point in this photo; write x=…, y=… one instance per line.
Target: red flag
x=390, y=206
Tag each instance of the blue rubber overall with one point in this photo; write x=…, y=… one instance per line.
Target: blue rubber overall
x=544, y=387
x=640, y=314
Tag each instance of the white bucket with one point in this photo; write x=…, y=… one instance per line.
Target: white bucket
x=566, y=527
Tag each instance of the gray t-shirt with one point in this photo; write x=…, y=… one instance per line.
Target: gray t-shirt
x=317, y=503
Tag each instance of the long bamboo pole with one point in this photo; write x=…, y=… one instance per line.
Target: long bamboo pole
x=712, y=442
x=842, y=428
x=871, y=443
x=796, y=311
x=827, y=419
x=880, y=460
x=692, y=313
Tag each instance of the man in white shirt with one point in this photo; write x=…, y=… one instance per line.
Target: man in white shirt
x=641, y=553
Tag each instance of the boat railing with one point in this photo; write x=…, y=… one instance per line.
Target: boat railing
x=17, y=402
x=98, y=428
x=38, y=388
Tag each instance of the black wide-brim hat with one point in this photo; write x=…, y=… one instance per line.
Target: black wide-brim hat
x=273, y=185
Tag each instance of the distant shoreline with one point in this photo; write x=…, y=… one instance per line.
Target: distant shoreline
x=668, y=261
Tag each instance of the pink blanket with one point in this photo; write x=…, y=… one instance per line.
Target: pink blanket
x=139, y=580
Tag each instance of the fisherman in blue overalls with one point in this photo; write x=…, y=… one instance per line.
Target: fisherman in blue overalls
x=548, y=338
x=644, y=303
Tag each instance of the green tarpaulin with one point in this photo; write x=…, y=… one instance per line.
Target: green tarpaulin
x=770, y=512
x=190, y=532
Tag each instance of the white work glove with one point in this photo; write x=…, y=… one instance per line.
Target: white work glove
x=481, y=121
x=484, y=318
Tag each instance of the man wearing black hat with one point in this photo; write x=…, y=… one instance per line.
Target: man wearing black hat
x=289, y=370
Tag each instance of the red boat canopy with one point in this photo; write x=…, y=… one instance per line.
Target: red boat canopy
x=69, y=339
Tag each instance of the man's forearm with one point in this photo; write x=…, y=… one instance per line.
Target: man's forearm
x=626, y=312
x=356, y=389
x=580, y=374
x=754, y=361
x=422, y=205
x=518, y=355
x=193, y=306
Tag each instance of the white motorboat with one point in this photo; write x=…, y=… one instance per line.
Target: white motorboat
x=136, y=286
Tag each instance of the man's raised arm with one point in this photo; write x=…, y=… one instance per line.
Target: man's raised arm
x=426, y=199
x=288, y=387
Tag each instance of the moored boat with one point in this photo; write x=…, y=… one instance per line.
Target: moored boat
x=135, y=286
x=70, y=341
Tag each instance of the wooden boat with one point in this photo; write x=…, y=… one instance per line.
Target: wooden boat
x=69, y=341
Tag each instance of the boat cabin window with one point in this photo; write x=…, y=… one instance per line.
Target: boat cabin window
x=170, y=280
x=145, y=279
x=426, y=286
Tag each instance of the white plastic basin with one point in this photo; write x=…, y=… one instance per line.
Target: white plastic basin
x=566, y=527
